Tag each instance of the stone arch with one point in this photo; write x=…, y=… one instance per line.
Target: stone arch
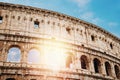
x=34, y=56
x=97, y=65
x=1, y=19
x=69, y=60
x=32, y=79
x=68, y=29
x=14, y=53
x=10, y=79
x=84, y=62
x=108, y=69
x=111, y=45
x=36, y=24
x=92, y=37
x=117, y=71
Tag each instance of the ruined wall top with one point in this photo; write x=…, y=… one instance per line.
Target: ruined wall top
x=29, y=9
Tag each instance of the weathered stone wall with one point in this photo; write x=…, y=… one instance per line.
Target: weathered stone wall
x=78, y=37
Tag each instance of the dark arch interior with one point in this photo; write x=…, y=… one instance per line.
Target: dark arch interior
x=117, y=72
x=97, y=65
x=84, y=62
x=36, y=24
x=92, y=38
x=10, y=79
x=32, y=79
x=0, y=17
x=111, y=46
x=108, y=68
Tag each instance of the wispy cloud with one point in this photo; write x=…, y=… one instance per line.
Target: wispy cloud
x=90, y=16
x=85, y=12
x=112, y=24
x=82, y=3
x=80, y=8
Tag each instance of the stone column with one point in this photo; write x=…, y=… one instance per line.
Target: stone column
x=91, y=64
x=24, y=56
x=4, y=55
x=78, y=64
x=113, y=70
x=24, y=53
x=103, y=67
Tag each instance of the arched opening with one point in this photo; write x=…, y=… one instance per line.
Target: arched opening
x=10, y=79
x=84, y=62
x=92, y=38
x=34, y=56
x=32, y=79
x=117, y=71
x=1, y=19
x=36, y=24
x=14, y=54
x=68, y=30
x=111, y=45
x=97, y=65
x=108, y=69
x=69, y=61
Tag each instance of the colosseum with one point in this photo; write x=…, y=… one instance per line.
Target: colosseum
x=39, y=44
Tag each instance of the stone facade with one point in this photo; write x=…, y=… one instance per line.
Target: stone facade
x=94, y=52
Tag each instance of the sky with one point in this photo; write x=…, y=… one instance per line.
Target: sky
x=104, y=13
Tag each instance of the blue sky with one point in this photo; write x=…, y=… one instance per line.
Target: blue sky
x=104, y=13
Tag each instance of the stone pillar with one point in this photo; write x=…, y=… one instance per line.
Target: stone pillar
x=103, y=68
x=113, y=70
x=91, y=64
x=4, y=55
x=23, y=57
x=78, y=64
x=24, y=54
x=1, y=54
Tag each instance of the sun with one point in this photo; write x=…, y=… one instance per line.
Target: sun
x=54, y=58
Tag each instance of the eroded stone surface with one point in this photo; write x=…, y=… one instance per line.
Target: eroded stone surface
x=28, y=27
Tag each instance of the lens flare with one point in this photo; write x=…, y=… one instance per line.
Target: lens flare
x=54, y=58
